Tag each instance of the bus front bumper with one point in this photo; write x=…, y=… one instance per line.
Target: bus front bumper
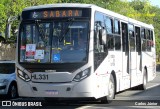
x=60, y=90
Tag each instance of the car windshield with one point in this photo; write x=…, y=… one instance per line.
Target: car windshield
x=7, y=68
x=54, y=42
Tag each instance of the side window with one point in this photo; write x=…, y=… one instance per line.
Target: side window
x=148, y=34
x=125, y=37
x=151, y=35
x=109, y=25
x=117, y=34
x=110, y=41
x=131, y=37
x=143, y=37
x=99, y=22
x=116, y=27
x=99, y=17
x=152, y=43
x=143, y=33
x=117, y=43
x=138, y=39
x=148, y=40
x=109, y=29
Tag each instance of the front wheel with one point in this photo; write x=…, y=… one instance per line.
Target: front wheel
x=111, y=91
x=12, y=91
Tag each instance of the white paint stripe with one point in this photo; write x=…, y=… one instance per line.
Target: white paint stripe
x=84, y=107
x=153, y=86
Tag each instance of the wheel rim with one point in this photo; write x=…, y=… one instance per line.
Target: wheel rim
x=111, y=89
x=13, y=92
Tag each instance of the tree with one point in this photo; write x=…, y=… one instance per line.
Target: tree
x=138, y=9
x=144, y=8
x=156, y=23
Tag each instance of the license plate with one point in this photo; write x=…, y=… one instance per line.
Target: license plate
x=39, y=76
x=51, y=92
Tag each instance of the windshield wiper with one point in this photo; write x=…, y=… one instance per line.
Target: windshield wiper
x=67, y=28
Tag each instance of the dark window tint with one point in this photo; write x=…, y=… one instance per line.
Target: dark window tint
x=143, y=33
x=131, y=37
x=7, y=68
x=148, y=34
x=152, y=35
x=149, y=41
x=117, y=43
x=131, y=31
x=132, y=44
x=110, y=40
x=125, y=37
x=138, y=39
x=144, y=41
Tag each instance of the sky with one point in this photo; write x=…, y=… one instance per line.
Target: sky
x=153, y=2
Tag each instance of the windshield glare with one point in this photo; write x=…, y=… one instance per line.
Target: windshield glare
x=54, y=42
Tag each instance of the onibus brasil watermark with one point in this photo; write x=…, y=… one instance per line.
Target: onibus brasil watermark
x=18, y=103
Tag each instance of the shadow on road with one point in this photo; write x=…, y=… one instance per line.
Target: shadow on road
x=158, y=67
x=149, y=94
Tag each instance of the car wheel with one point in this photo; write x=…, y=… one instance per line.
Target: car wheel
x=12, y=92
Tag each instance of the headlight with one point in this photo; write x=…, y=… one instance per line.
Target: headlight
x=82, y=75
x=3, y=80
x=23, y=76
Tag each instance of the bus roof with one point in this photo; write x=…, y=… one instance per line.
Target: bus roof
x=94, y=7
x=59, y=5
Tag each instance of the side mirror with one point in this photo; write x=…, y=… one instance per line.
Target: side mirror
x=102, y=36
x=8, y=31
x=8, y=26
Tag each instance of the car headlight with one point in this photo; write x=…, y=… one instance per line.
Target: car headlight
x=82, y=75
x=23, y=76
x=3, y=80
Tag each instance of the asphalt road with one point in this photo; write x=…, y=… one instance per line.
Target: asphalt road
x=133, y=99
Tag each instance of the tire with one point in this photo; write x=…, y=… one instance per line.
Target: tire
x=143, y=86
x=12, y=91
x=111, y=91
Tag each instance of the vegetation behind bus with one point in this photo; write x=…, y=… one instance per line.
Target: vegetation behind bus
x=141, y=10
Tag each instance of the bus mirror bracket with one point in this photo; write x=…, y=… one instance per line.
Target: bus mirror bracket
x=8, y=26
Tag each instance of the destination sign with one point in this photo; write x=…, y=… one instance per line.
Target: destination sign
x=55, y=14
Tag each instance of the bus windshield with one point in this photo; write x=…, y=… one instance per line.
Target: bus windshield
x=54, y=42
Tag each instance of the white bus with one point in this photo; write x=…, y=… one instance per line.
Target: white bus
x=82, y=51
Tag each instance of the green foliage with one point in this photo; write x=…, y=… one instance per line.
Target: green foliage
x=3, y=16
x=144, y=8
x=138, y=9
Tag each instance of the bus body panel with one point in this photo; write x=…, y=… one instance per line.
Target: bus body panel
x=94, y=86
x=126, y=65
